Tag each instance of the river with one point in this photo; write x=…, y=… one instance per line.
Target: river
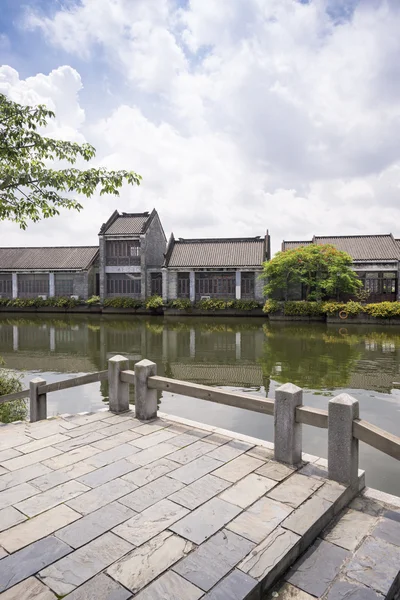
x=244, y=354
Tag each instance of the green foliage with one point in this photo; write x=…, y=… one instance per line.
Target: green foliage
x=180, y=304
x=211, y=304
x=383, y=310
x=303, y=309
x=245, y=304
x=272, y=306
x=352, y=308
x=324, y=272
x=15, y=410
x=56, y=301
x=29, y=189
x=154, y=302
x=93, y=300
x=215, y=304
x=124, y=302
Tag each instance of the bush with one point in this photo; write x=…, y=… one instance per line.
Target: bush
x=124, y=302
x=272, y=306
x=212, y=304
x=383, y=310
x=303, y=308
x=180, y=304
x=15, y=410
x=154, y=302
x=93, y=300
x=56, y=301
x=245, y=304
x=351, y=308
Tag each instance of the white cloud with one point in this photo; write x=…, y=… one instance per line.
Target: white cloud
x=240, y=116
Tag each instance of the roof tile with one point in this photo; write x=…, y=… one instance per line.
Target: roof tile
x=51, y=258
x=236, y=252
x=360, y=247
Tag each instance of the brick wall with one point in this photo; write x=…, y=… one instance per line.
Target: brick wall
x=258, y=287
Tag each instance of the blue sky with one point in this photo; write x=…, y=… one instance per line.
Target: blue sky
x=241, y=116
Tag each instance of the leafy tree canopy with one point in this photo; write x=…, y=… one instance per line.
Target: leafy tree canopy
x=29, y=188
x=323, y=270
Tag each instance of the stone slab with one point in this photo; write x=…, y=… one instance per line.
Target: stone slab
x=17, y=494
x=9, y=480
x=43, y=443
x=317, y=568
x=274, y=470
x=190, y=453
x=261, y=452
x=183, y=440
x=102, y=495
x=111, y=442
x=89, y=428
x=146, y=441
x=388, y=530
x=151, y=493
x=258, y=521
x=9, y=454
x=94, y=524
x=100, y=587
x=148, y=428
x=77, y=469
x=77, y=442
x=69, y=458
x=3, y=553
x=170, y=586
x=376, y=564
x=238, y=468
x=30, y=589
x=229, y=451
x=204, y=521
x=198, y=492
x=110, y=456
x=144, y=564
x=46, y=500
x=152, y=521
x=37, y=528
x=211, y=561
x=12, y=441
x=295, y=490
x=345, y=590
x=30, y=560
x=331, y=491
x=50, y=480
x=195, y=470
x=80, y=566
x=145, y=457
x=150, y=472
x=313, y=515
x=350, y=529
x=105, y=474
x=286, y=591
x=89, y=418
x=248, y=490
x=236, y=586
x=9, y=517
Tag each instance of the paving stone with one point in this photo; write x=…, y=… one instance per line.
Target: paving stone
x=9, y=517
x=238, y=468
x=149, y=455
x=350, y=529
x=116, y=419
x=148, y=428
x=211, y=561
x=83, y=440
x=317, y=568
x=30, y=560
x=178, y=428
x=50, y=480
x=392, y=514
x=12, y=441
x=198, y=433
x=152, y=521
x=109, y=456
x=30, y=589
x=152, y=471
x=43, y=429
x=312, y=470
x=77, y=469
x=102, y=495
x=89, y=428
x=295, y=490
x=84, y=419
x=190, y=453
x=199, y=491
x=375, y=564
x=331, y=491
x=79, y=566
x=217, y=439
x=196, y=469
x=203, y=522
x=37, y=528
x=144, y=564
x=236, y=586
x=100, y=587
x=43, y=443
x=183, y=440
x=316, y=512
x=107, y=473
x=151, y=493
x=22, y=476
x=46, y=500
x=272, y=557
x=3, y=553
x=8, y=454
x=170, y=586
x=116, y=440
x=388, y=530
x=274, y=470
x=69, y=458
x=94, y=524
x=260, y=520
x=286, y=591
x=30, y=459
x=261, y=452
x=344, y=590
x=16, y=494
x=248, y=490
x=230, y=450
x=3, y=471
x=153, y=439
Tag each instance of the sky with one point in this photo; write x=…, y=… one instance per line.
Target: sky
x=240, y=115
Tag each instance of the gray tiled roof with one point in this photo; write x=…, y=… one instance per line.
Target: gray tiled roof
x=360, y=247
x=51, y=258
x=236, y=252
x=128, y=224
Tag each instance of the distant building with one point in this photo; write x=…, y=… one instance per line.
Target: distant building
x=376, y=260
x=132, y=248
x=215, y=268
x=59, y=271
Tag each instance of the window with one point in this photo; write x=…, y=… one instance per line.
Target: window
x=33, y=285
x=123, y=253
x=382, y=283
x=217, y=285
x=247, y=285
x=123, y=285
x=183, y=285
x=64, y=284
x=5, y=285
x=156, y=284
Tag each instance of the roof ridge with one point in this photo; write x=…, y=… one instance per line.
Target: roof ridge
x=42, y=247
x=213, y=240
x=360, y=235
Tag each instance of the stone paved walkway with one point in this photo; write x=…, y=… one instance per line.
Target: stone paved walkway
x=103, y=507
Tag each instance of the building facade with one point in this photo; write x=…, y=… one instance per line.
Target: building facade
x=376, y=260
x=132, y=248
x=229, y=268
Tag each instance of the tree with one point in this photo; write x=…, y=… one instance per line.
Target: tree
x=323, y=270
x=29, y=188
x=10, y=382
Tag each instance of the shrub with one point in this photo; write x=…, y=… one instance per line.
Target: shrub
x=154, y=302
x=245, y=304
x=180, y=304
x=383, y=310
x=272, y=306
x=15, y=410
x=57, y=301
x=212, y=304
x=303, y=308
x=93, y=300
x=351, y=308
x=124, y=302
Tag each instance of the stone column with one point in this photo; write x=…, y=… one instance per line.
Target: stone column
x=145, y=398
x=165, y=285
x=238, y=285
x=102, y=267
x=342, y=446
x=52, y=285
x=37, y=402
x=15, y=338
x=288, y=433
x=118, y=390
x=192, y=276
x=14, y=285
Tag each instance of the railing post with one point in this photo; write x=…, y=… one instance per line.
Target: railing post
x=342, y=446
x=37, y=402
x=288, y=433
x=118, y=391
x=145, y=398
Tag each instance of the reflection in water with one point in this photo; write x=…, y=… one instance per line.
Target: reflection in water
x=245, y=354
